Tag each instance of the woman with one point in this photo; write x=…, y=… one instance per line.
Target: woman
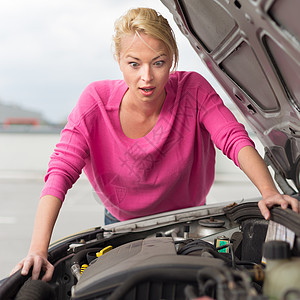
x=145, y=142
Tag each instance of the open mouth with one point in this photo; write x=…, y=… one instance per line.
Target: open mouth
x=147, y=91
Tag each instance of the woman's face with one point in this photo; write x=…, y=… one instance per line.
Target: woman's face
x=145, y=63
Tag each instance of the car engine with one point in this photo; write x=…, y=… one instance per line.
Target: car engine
x=217, y=252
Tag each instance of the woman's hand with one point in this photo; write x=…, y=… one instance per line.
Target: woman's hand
x=255, y=168
x=39, y=263
x=277, y=199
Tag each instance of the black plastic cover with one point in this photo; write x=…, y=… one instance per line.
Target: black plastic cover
x=149, y=255
x=276, y=250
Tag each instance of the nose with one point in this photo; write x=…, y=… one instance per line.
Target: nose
x=146, y=74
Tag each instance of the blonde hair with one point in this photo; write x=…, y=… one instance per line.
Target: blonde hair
x=147, y=21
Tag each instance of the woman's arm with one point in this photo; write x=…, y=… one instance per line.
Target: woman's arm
x=46, y=216
x=255, y=168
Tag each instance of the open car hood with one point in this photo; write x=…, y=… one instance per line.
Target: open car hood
x=253, y=50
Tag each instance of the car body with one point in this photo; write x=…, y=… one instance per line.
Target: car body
x=252, y=48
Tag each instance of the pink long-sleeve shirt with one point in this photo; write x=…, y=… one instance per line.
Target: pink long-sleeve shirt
x=172, y=167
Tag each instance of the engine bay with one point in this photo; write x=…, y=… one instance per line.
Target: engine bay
x=217, y=252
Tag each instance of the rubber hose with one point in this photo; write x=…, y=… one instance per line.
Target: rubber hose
x=35, y=290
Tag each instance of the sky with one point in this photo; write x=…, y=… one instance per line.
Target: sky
x=52, y=49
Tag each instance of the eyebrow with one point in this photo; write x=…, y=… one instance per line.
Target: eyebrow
x=155, y=58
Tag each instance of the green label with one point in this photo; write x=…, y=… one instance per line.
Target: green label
x=222, y=243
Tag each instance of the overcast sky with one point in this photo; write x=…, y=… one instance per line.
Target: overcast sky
x=51, y=49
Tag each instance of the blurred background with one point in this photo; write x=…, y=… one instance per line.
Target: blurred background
x=50, y=51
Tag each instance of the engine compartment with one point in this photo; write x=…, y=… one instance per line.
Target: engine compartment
x=178, y=264
x=209, y=251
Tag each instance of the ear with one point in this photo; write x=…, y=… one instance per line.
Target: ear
x=120, y=65
x=117, y=59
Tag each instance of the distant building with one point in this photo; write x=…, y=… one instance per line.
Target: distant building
x=16, y=115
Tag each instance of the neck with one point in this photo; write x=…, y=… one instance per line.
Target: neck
x=144, y=108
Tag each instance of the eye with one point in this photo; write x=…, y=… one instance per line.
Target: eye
x=159, y=63
x=134, y=64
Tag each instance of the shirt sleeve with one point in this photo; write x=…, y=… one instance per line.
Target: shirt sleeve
x=226, y=132
x=70, y=154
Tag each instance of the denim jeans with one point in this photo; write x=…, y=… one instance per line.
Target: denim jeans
x=109, y=218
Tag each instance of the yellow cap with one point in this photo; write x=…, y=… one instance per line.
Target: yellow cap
x=104, y=250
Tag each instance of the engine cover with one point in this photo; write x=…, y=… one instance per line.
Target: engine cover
x=149, y=259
